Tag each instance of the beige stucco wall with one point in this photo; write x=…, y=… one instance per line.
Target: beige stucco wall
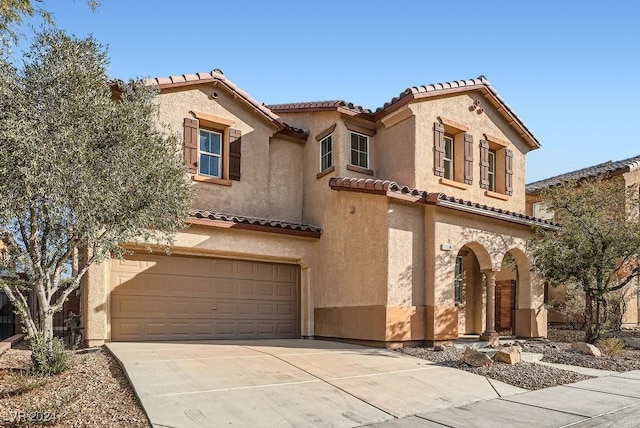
x=250, y=195
x=456, y=108
x=395, y=148
x=285, y=180
x=405, y=261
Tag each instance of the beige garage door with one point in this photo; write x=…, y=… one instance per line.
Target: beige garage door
x=185, y=298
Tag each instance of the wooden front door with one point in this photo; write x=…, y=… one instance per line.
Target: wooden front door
x=505, y=304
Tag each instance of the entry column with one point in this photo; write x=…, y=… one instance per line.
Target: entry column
x=490, y=329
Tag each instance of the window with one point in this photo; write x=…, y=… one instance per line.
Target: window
x=541, y=212
x=457, y=281
x=359, y=150
x=492, y=170
x=448, y=157
x=210, y=153
x=453, y=153
x=326, y=153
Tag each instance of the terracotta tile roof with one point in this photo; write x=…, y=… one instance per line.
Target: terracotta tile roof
x=217, y=77
x=319, y=105
x=606, y=168
x=436, y=87
x=416, y=92
x=311, y=230
x=393, y=189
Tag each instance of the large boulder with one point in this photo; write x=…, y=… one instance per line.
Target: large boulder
x=475, y=358
x=509, y=355
x=586, y=348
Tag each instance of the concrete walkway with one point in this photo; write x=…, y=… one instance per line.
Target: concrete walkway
x=295, y=383
x=612, y=401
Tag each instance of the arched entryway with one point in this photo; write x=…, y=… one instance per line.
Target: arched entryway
x=488, y=296
x=469, y=289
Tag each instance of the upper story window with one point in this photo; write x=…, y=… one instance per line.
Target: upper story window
x=453, y=153
x=212, y=149
x=492, y=171
x=326, y=152
x=496, y=167
x=448, y=157
x=359, y=150
x=210, y=153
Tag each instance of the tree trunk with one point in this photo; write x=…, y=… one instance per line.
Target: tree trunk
x=47, y=327
x=598, y=326
x=588, y=318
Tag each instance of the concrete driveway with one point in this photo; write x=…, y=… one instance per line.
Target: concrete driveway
x=290, y=383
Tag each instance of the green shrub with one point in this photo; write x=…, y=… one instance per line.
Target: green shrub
x=45, y=362
x=611, y=346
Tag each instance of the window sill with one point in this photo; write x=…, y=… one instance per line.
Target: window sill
x=496, y=195
x=453, y=183
x=212, y=180
x=325, y=172
x=360, y=169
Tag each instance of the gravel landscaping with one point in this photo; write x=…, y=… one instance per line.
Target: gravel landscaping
x=533, y=376
x=93, y=393
x=523, y=375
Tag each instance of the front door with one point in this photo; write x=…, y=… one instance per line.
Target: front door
x=505, y=305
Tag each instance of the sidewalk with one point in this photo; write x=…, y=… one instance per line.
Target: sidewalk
x=603, y=401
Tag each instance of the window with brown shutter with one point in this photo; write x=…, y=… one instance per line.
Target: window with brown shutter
x=235, y=153
x=438, y=149
x=484, y=164
x=508, y=171
x=468, y=158
x=191, y=145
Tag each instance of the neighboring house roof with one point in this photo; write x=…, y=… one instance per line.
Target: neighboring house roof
x=606, y=168
x=253, y=223
x=418, y=92
x=217, y=77
x=395, y=190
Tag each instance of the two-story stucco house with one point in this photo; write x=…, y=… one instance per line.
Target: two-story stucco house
x=323, y=219
x=626, y=172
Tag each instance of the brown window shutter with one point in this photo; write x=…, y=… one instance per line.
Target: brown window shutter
x=438, y=149
x=484, y=164
x=468, y=158
x=191, y=145
x=235, y=153
x=508, y=171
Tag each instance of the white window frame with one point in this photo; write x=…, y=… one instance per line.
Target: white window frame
x=445, y=159
x=491, y=174
x=328, y=154
x=212, y=154
x=358, y=151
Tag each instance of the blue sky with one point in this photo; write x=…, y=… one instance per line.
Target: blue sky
x=569, y=68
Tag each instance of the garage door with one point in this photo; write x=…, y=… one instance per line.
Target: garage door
x=186, y=298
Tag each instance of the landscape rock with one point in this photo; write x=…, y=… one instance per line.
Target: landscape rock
x=586, y=348
x=633, y=343
x=475, y=358
x=494, y=341
x=509, y=355
x=439, y=348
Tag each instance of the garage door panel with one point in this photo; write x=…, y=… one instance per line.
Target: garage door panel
x=172, y=297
